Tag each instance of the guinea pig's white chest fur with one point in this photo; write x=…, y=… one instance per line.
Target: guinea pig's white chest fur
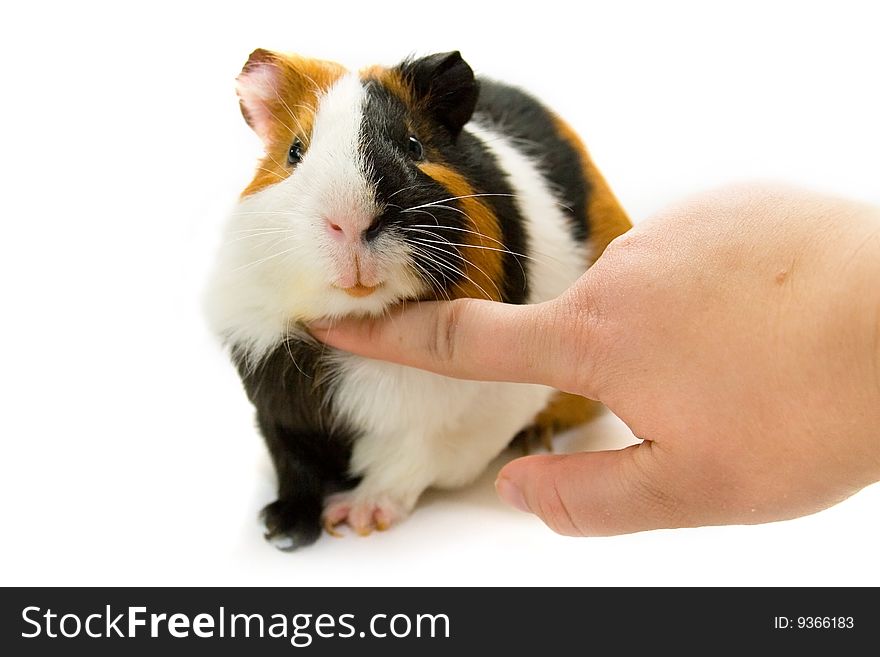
x=407, y=184
x=421, y=429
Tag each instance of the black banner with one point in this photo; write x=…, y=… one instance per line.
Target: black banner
x=332, y=621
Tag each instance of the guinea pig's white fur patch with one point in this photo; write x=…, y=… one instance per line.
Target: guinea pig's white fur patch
x=556, y=258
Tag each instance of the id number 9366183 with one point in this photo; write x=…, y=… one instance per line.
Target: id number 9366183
x=814, y=623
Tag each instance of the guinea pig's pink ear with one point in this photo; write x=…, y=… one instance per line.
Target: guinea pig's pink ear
x=258, y=87
x=445, y=84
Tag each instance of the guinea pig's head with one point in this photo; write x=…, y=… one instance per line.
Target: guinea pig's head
x=362, y=198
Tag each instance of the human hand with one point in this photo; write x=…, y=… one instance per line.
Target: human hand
x=738, y=335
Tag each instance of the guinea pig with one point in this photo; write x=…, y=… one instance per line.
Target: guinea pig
x=381, y=187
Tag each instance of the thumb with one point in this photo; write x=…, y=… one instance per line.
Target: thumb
x=466, y=339
x=593, y=493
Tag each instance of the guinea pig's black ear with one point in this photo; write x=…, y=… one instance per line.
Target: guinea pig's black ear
x=445, y=86
x=258, y=89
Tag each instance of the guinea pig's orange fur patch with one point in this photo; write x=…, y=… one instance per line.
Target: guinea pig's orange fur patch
x=605, y=215
x=565, y=410
x=482, y=263
x=300, y=83
x=391, y=80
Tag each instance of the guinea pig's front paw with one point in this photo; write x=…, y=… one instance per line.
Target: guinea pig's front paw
x=289, y=524
x=362, y=513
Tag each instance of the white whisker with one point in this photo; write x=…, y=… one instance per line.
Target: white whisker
x=262, y=260
x=286, y=213
x=468, y=263
x=260, y=234
x=452, y=198
x=403, y=189
x=437, y=260
x=436, y=285
x=287, y=341
x=463, y=230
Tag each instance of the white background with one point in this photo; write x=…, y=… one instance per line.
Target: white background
x=128, y=450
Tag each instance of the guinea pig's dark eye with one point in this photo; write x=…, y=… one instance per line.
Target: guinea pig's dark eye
x=415, y=148
x=295, y=154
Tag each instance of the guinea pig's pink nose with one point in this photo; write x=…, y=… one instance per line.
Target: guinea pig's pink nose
x=343, y=228
x=351, y=229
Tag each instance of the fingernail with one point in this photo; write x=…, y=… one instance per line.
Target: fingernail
x=320, y=324
x=510, y=493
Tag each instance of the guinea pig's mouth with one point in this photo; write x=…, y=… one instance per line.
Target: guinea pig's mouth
x=358, y=290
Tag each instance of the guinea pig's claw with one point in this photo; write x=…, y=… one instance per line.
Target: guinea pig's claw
x=330, y=528
x=363, y=516
x=335, y=515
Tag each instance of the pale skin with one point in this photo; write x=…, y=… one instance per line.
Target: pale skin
x=737, y=334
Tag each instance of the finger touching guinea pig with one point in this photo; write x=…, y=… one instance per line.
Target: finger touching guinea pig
x=412, y=182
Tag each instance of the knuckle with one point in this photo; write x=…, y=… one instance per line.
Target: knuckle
x=442, y=343
x=632, y=240
x=588, y=341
